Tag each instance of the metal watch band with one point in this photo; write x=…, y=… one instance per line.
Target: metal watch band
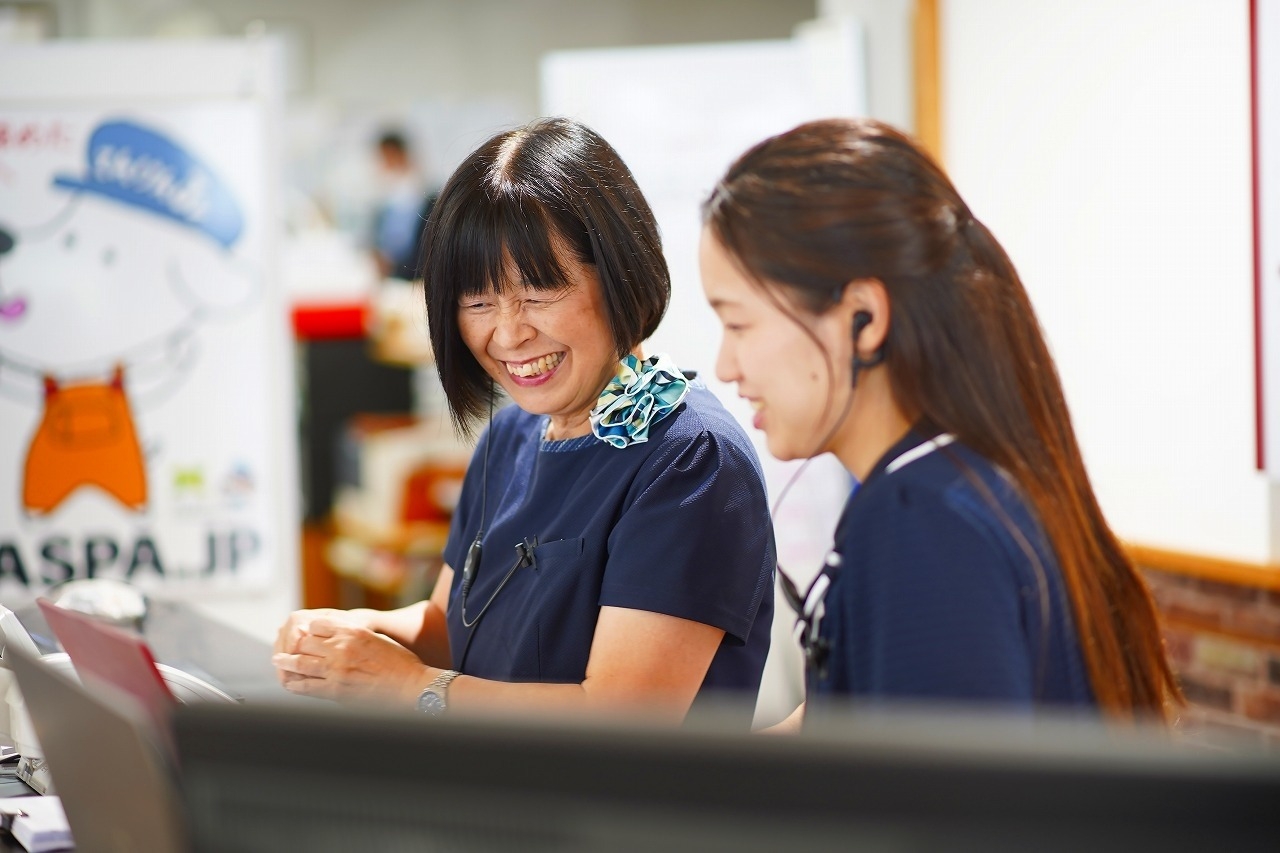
x=434, y=700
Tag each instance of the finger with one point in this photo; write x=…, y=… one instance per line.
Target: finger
x=322, y=627
x=309, y=644
x=283, y=637
x=308, y=665
x=295, y=641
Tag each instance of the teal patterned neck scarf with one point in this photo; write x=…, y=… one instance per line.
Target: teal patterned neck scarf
x=641, y=394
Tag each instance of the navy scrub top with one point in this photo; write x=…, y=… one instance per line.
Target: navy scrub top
x=676, y=525
x=934, y=597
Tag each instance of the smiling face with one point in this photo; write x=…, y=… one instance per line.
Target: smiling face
x=779, y=362
x=552, y=351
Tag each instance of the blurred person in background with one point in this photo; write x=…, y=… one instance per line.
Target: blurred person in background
x=611, y=548
x=402, y=210
x=868, y=314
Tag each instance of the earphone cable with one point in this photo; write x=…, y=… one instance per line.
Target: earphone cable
x=789, y=588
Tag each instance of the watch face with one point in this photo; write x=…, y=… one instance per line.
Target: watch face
x=431, y=702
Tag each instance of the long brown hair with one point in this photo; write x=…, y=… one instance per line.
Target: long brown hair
x=835, y=201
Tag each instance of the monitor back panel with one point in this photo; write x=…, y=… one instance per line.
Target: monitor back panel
x=116, y=789
x=409, y=783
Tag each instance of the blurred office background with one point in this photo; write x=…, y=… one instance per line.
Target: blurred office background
x=1109, y=146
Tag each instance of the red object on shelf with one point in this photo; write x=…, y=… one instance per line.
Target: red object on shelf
x=329, y=321
x=431, y=492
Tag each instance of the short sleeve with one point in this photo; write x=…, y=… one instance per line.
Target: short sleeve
x=931, y=608
x=696, y=542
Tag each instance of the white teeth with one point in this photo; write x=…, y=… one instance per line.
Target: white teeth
x=756, y=405
x=536, y=367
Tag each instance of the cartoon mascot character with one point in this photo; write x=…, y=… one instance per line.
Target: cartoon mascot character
x=100, y=306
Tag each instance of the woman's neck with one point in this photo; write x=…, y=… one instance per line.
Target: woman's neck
x=578, y=424
x=875, y=424
x=569, y=426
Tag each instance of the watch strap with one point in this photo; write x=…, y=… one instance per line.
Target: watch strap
x=434, y=699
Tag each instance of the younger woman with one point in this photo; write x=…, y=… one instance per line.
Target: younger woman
x=867, y=314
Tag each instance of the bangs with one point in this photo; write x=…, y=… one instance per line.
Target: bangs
x=500, y=234
x=523, y=210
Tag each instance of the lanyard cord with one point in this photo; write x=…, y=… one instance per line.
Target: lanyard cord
x=809, y=608
x=524, y=557
x=524, y=551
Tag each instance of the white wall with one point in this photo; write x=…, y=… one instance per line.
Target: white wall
x=890, y=50
x=399, y=51
x=1107, y=146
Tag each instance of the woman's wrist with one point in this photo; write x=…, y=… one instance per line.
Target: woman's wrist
x=367, y=618
x=417, y=686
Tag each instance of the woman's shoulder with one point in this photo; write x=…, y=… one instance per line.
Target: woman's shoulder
x=957, y=487
x=702, y=416
x=931, y=472
x=699, y=436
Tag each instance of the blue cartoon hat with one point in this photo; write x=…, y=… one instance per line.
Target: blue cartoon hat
x=144, y=168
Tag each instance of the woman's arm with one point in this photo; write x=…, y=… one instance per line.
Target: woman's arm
x=791, y=725
x=419, y=627
x=639, y=660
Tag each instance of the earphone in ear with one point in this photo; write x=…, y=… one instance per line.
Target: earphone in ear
x=862, y=319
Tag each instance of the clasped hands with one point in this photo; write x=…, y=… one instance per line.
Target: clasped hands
x=328, y=654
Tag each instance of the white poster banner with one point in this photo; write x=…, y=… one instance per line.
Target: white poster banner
x=140, y=433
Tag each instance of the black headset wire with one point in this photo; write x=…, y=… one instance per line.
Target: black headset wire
x=789, y=588
x=524, y=554
x=472, y=563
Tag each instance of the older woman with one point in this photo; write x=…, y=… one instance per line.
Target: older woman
x=868, y=314
x=612, y=546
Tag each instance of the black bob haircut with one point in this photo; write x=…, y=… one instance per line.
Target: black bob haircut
x=512, y=200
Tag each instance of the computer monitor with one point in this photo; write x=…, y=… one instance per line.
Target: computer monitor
x=266, y=778
x=117, y=789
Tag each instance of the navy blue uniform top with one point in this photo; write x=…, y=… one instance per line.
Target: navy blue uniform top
x=676, y=525
x=946, y=590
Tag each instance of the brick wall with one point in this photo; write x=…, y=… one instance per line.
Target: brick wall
x=1224, y=644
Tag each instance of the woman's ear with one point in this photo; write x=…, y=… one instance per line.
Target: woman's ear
x=864, y=306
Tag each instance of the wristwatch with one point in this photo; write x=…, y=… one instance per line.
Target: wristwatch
x=435, y=699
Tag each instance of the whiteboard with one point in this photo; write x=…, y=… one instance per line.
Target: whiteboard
x=1266, y=104
x=1112, y=160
